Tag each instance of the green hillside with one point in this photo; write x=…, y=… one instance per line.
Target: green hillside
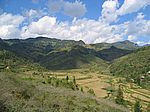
x=33, y=71
x=75, y=58
x=125, y=45
x=10, y=62
x=112, y=53
x=26, y=95
x=134, y=66
x=55, y=54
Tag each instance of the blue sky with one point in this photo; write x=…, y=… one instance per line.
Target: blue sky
x=92, y=21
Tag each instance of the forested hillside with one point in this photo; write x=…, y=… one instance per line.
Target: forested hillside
x=64, y=54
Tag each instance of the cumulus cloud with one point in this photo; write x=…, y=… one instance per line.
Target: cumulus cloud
x=55, y=5
x=72, y=9
x=132, y=37
x=141, y=43
x=139, y=26
x=9, y=25
x=32, y=15
x=42, y=27
x=75, y=9
x=90, y=31
x=109, y=9
x=130, y=6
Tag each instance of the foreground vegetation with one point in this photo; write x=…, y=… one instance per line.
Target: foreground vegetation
x=20, y=94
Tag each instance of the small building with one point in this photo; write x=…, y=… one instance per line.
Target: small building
x=7, y=67
x=142, y=77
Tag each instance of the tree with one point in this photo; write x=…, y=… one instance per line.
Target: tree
x=138, y=80
x=119, y=98
x=148, y=108
x=67, y=78
x=82, y=89
x=91, y=91
x=137, y=106
x=74, y=80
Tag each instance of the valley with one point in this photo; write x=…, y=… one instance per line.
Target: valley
x=64, y=75
x=101, y=85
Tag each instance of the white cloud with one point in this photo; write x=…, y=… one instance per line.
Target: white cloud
x=109, y=11
x=130, y=6
x=42, y=27
x=75, y=9
x=138, y=27
x=55, y=5
x=9, y=25
x=131, y=37
x=90, y=31
x=31, y=15
x=141, y=43
x=72, y=9
x=9, y=19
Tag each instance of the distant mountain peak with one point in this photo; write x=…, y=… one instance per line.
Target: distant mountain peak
x=128, y=45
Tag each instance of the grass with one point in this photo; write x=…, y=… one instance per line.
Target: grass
x=99, y=83
x=19, y=95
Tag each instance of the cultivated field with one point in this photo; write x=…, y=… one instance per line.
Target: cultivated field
x=100, y=83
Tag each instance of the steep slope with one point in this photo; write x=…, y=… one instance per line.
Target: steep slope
x=63, y=54
x=10, y=62
x=125, y=45
x=112, y=53
x=134, y=66
x=3, y=45
x=35, y=48
x=55, y=53
x=45, y=43
x=76, y=57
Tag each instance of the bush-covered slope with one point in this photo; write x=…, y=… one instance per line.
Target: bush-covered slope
x=134, y=66
x=125, y=45
x=10, y=62
x=76, y=57
x=62, y=54
x=18, y=95
x=112, y=53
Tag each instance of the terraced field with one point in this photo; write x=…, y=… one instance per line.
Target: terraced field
x=99, y=83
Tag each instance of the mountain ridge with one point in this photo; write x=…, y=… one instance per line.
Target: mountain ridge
x=54, y=53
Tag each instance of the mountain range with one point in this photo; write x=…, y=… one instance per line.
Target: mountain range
x=25, y=62
x=55, y=54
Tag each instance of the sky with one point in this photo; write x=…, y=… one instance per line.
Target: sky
x=93, y=21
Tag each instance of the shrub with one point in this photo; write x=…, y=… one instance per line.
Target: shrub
x=119, y=98
x=137, y=106
x=91, y=91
